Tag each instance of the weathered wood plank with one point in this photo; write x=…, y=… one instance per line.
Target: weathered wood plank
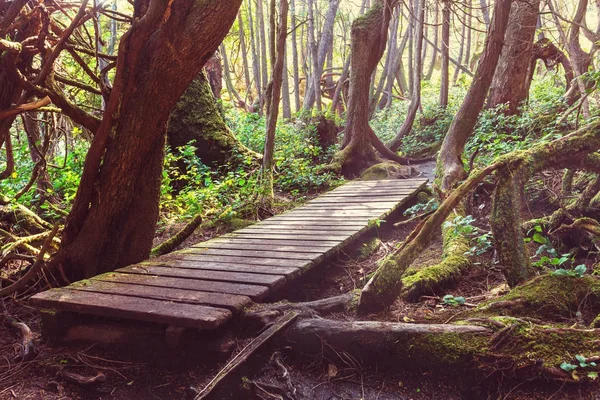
x=136, y=308
x=310, y=225
x=264, y=252
x=255, y=292
x=231, y=302
x=194, y=260
x=289, y=272
x=228, y=238
x=324, y=237
x=348, y=202
x=242, y=245
x=274, y=282
x=316, y=218
x=315, y=232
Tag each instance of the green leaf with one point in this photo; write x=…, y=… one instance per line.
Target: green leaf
x=593, y=375
x=539, y=238
x=580, y=358
x=568, y=367
x=580, y=270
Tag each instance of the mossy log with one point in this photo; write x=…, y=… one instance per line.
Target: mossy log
x=549, y=297
x=197, y=118
x=455, y=262
x=386, y=170
x=527, y=351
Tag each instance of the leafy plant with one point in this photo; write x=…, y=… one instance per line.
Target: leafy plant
x=481, y=240
x=578, y=272
x=450, y=300
x=582, y=362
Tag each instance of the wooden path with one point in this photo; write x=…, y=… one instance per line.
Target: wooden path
x=204, y=286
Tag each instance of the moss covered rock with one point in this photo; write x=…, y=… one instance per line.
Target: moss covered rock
x=386, y=170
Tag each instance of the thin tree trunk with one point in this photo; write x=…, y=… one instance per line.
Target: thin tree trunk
x=450, y=160
x=485, y=12
x=295, y=58
x=415, y=101
x=260, y=26
x=242, y=35
x=463, y=35
x=436, y=39
x=274, y=96
x=387, y=66
x=285, y=99
x=255, y=62
x=445, y=85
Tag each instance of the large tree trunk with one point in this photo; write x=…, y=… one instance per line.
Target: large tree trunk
x=511, y=80
x=114, y=214
x=368, y=41
x=450, y=160
x=197, y=118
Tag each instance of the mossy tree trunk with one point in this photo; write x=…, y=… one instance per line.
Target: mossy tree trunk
x=197, y=118
x=506, y=222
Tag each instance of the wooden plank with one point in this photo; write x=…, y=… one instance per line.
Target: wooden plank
x=388, y=182
x=136, y=308
x=324, y=237
x=353, y=201
x=287, y=218
x=290, y=272
x=197, y=259
x=242, y=245
x=231, y=302
x=264, y=252
x=274, y=282
x=316, y=230
x=344, y=207
x=300, y=233
x=255, y=292
x=310, y=223
x=370, y=192
x=310, y=226
x=228, y=238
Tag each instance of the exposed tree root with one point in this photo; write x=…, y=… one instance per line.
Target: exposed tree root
x=454, y=264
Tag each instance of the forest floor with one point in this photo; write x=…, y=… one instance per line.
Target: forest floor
x=151, y=373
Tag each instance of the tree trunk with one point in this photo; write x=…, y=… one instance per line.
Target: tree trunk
x=368, y=41
x=415, y=99
x=197, y=118
x=214, y=73
x=114, y=214
x=295, y=58
x=255, y=62
x=445, y=85
x=273, y=98
x=260, y=26
x=450, y=160
x=243, y=47
x=511, y=80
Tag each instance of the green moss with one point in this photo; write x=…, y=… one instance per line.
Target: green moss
x=596, y=322
x=368, y=249
x=449, y=349
x=385, y=170
x=550, y=297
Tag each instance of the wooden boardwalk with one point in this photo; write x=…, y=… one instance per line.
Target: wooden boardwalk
x=204, y=286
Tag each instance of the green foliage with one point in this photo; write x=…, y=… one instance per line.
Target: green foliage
x=578, y=272
x=481, y=241
x=419, y=208
x=549, y=257
x=450, y=300
x=581, y=363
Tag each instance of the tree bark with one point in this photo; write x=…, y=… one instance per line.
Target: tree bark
x=415, y=98
x=445, y=85
x=297, y=103
x=511, y=80
x=273, y=98
x=115, y=211
x=368, y=42
x=449, y=160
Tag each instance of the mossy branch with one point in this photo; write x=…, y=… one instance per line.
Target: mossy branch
x=171, y=244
